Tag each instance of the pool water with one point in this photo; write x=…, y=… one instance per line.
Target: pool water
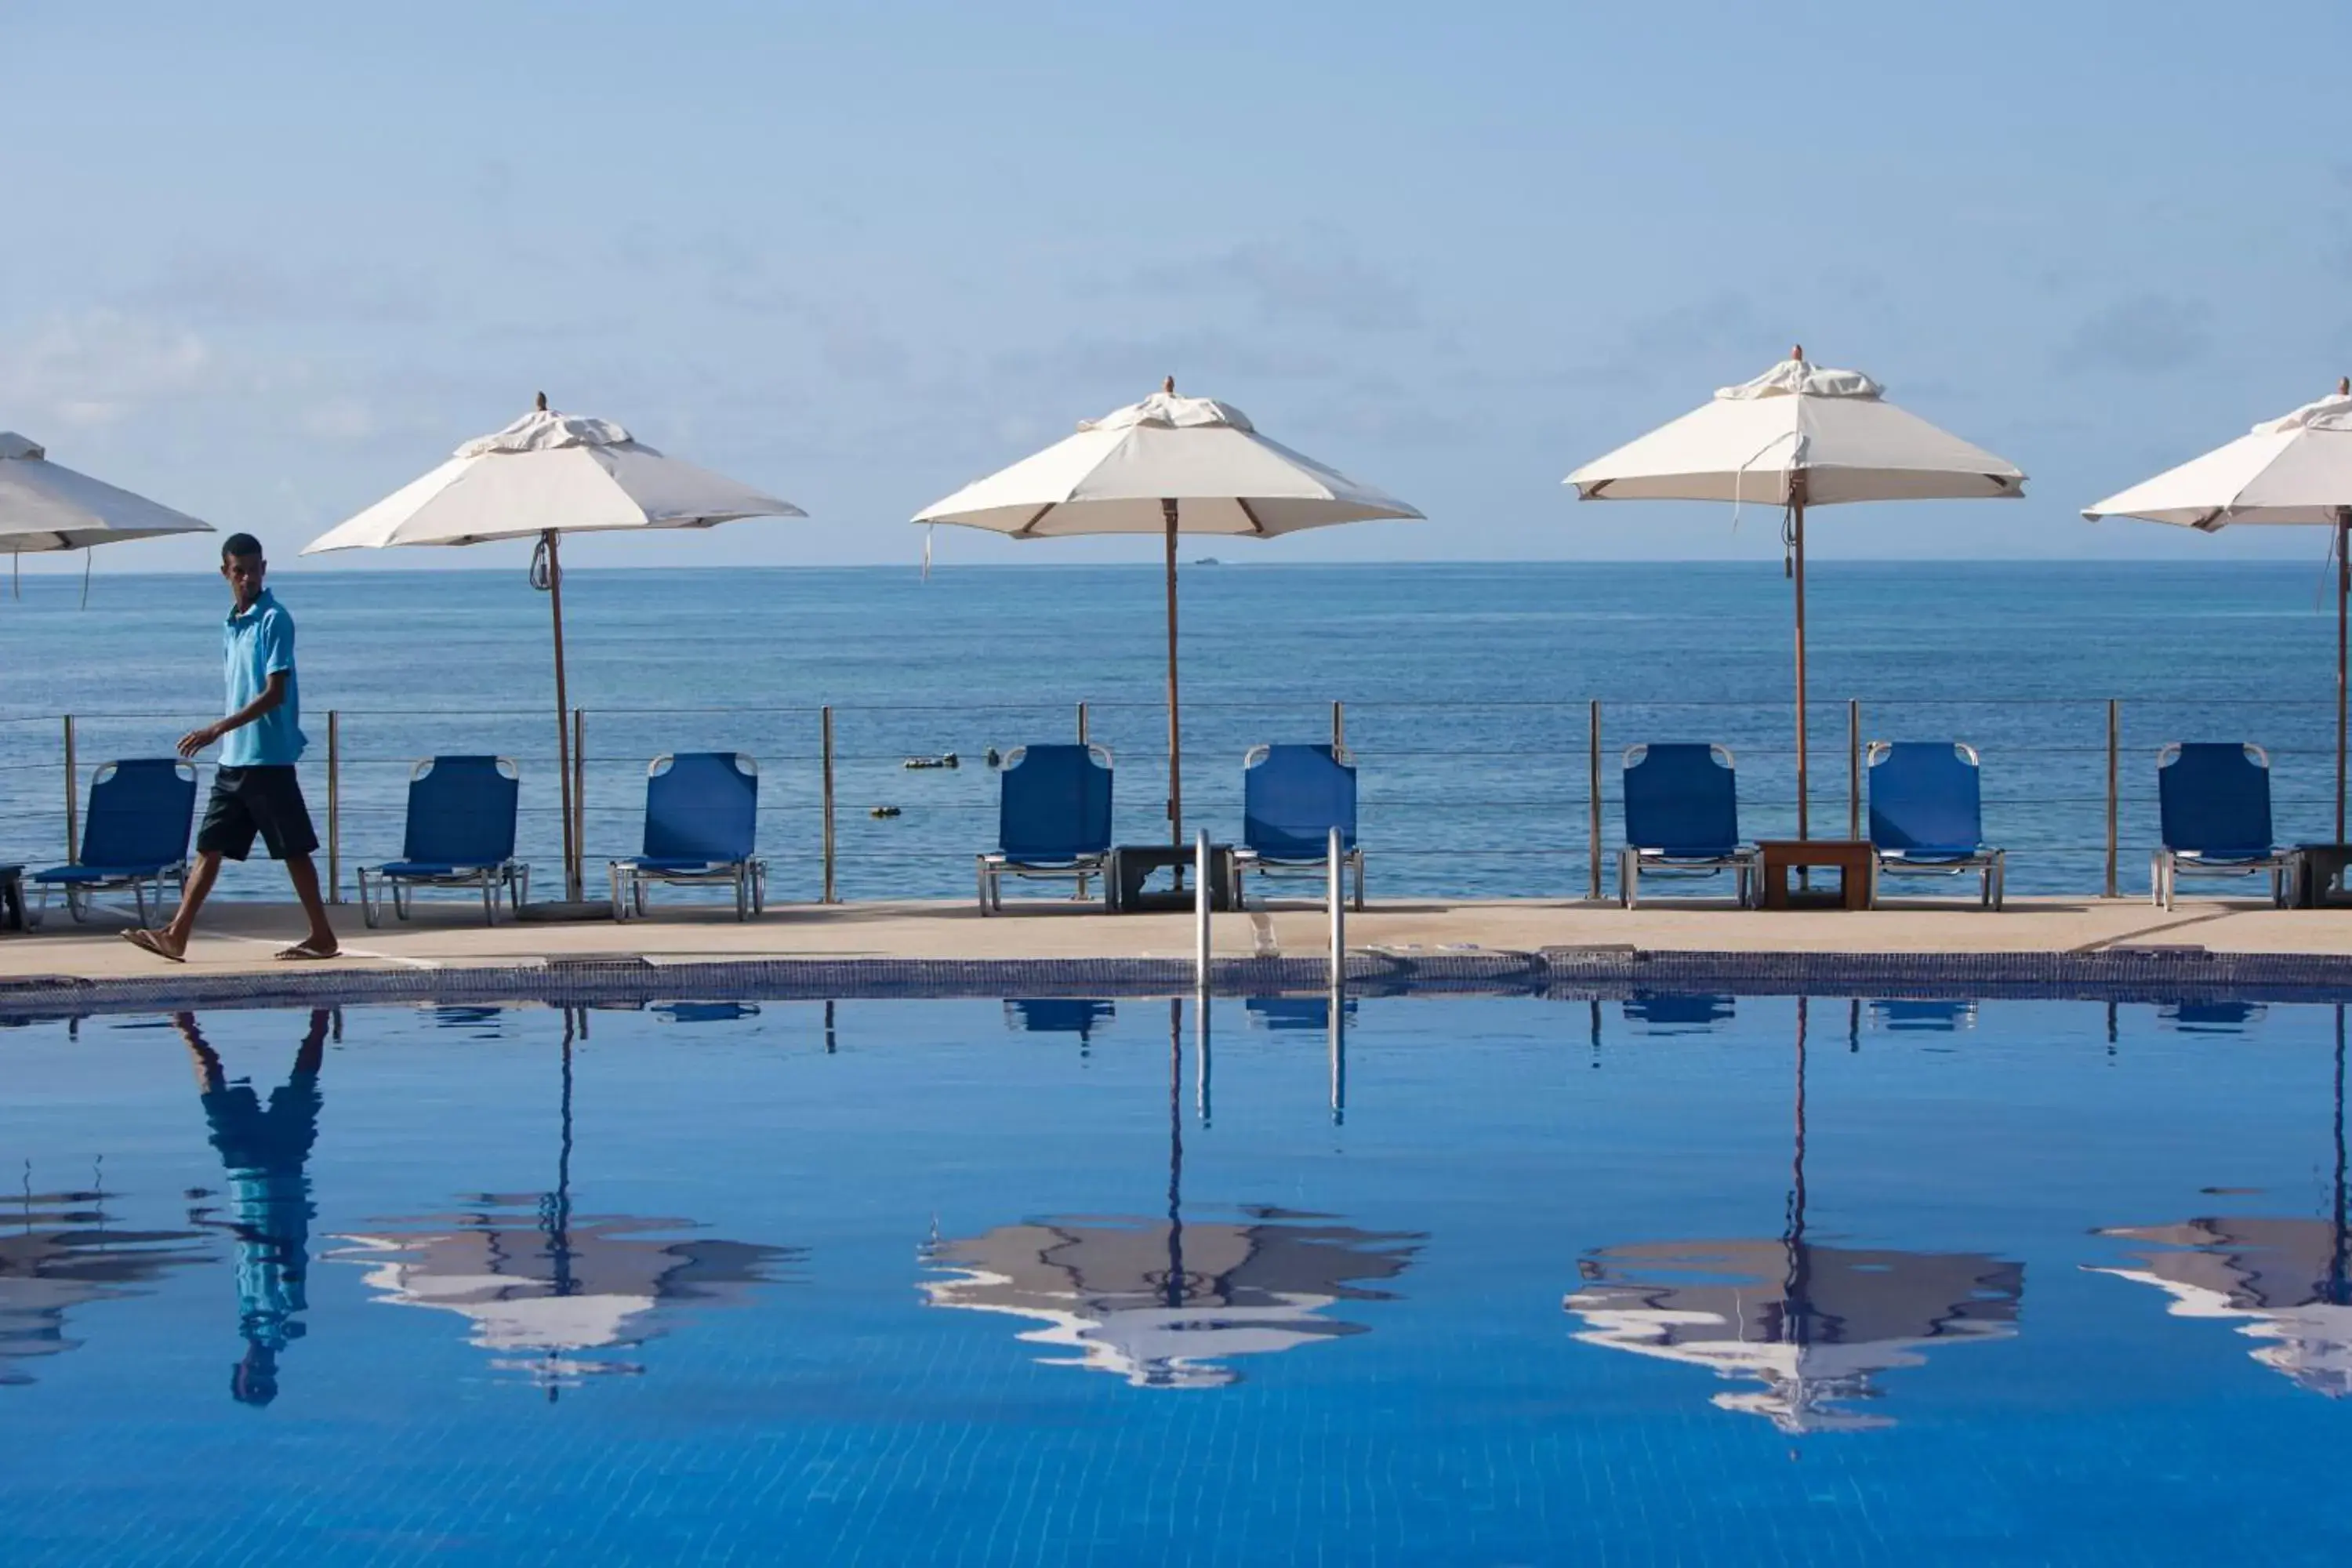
x=1720, y=1279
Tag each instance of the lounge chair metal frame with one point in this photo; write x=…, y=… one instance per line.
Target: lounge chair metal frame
x=1992, y=865
x=1744, y=861
x=2169, y=863
x=1249, y=857
x=420, y=866
x=94, y=873
x=746, y=873
x=993, y=866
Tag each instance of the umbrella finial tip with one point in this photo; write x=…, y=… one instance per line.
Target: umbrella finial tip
x=1797, y=353
x=1168, y=384
x=542, y=403
x=2344, y=386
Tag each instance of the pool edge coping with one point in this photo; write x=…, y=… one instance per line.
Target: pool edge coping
x=1565, y=973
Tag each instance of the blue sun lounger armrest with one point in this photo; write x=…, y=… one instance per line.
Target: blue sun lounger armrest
x=2214, y=799
x=1292, y=798
x=1682, y=818
x=134, y=833
x=702, y=816
x=460, y=834
x=1053, y=818
x=1926, y=815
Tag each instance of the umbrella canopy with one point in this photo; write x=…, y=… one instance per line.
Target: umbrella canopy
x=1799, y=436
x=1799, y=433
x=2296, y=468
x=1116, y=473
x=1168, y=465
x=47, y=506
x=549, y=472
x=546, y=475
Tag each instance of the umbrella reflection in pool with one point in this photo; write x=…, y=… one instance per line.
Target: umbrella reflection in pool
x=2288, y=1280
x=544, y=1287
x=1812, y=1323
x=58, y=1252
x=1163, y=1302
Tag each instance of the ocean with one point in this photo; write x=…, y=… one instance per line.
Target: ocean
x=1466, y=691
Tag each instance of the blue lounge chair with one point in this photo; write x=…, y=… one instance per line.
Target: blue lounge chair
x=1292, y=798
x=702, y=813
x=135, y=832
x=2215, y=805
x=460, y=834
x=1053, y=818
x=1682, y=818
x=1926, y=815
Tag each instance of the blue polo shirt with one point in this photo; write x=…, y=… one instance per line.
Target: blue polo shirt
x=256, y=645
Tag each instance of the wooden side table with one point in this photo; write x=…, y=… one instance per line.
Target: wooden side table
x=1131, y=864
x=2320, y=882
x=1852, y=858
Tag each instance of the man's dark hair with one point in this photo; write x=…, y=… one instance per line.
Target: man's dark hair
x=239, y=545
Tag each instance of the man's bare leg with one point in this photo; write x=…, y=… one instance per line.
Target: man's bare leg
x=304, y=875
x=174, y=938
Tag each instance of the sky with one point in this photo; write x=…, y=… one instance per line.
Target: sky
x=268, y=262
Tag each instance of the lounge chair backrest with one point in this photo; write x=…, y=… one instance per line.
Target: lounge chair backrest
x=1292, y=796
x=2215, y=797
x=701, y=805
x=1925, y=795
x=1683, y=798
x=1055, y=803
x=461, y=811
x=141, y=813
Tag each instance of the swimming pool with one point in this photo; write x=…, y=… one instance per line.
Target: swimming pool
x=1679, y=1278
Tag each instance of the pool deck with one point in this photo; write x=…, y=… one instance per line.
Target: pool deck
x=240, y=939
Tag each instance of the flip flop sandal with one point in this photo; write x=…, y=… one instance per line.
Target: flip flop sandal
x=303, y=949
x=146, y=940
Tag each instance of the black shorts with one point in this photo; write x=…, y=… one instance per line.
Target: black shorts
x=246, y=801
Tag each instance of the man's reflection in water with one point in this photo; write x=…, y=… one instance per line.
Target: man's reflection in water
x=265, y=1151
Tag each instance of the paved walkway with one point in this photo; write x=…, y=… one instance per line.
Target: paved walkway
x=236, y=938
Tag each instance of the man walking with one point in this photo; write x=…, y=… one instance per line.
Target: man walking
x=255, y=790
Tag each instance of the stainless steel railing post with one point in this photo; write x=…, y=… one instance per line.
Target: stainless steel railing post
x=1078, y=895
x=2115, y=750
x=830, y=897
x=1335, y=898
x=334, y=806
x=73, y=804
x=1200, y=913
x=1853, y=767
x=1592, y=792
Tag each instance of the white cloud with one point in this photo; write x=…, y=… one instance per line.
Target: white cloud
x=98, y=366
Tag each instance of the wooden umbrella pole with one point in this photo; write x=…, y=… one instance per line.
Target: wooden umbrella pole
x=2342, y=593
x=1797, y=550
x=562, y=717
x=1175, y=729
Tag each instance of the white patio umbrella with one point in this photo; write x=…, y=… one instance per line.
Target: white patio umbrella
x=1799, y=436
x=2294, y=470
x=1168, y=465
x=546, y=475
x=47, y=506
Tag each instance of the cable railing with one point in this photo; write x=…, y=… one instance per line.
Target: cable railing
x=1483, y=798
